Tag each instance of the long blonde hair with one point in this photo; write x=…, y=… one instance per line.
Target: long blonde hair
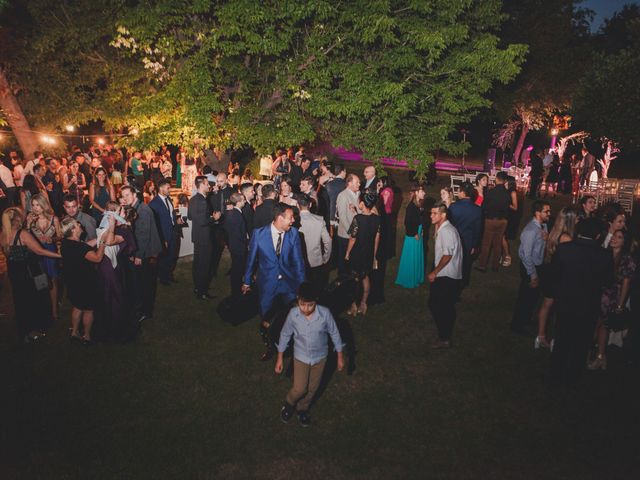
x=12, y=217
x=565, y=224
x=42, y=200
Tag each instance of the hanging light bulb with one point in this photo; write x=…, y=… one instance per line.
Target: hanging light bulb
x=48, y=139
x=101, y=141
x=70, y=128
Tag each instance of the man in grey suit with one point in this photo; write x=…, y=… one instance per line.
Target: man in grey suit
x=202, y=222
x=149, y=246
x=346, y=208
x=317, y=244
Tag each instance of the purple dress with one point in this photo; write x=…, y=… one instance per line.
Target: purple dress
x=113, y=284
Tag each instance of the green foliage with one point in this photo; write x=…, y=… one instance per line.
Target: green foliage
x=604, y=102
x=391, y=78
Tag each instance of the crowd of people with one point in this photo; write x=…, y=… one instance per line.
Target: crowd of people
x=102, y=226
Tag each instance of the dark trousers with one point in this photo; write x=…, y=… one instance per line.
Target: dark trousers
x=167, y=260
x=146, y=285
x=343, y=243
x=218, y=247
x=442, y=303
x=201, y=267
x=467, y=261
x=573, y=337
x=534, y=184
x=526, y=302
x=318, y=277
x=237, y=271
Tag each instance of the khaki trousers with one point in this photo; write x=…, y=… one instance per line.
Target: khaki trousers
x=306, y=379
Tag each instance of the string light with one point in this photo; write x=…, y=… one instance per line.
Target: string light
x=48, y=139
x=134, y=131
x=70, y=128
x=101, y=141
x=554, y=132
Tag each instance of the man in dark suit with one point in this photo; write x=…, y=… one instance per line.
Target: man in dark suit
x=370, y=179
x=202, y=222
x=466, y=216
x=237, y=239
x=169, y=228
x=536, y=173
x=264, y=212
x=148, y=248
x=247, y=208
x=579, y=270
x=275, y=254
x=218, y=204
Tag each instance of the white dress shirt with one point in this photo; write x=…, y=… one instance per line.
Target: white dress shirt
x=169, y=205
x=274, y=236
x=447, y=242
x=6, y=176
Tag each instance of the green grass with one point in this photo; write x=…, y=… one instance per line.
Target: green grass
x=191, y=400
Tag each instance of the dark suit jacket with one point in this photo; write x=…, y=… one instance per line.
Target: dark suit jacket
x=166, y=227
x=372, y=185
x=264, y=214
x=413, y=218
x=200, y=217
x=466, y=216
x=218, y=200
x=236, y=233
x=248, y=213
x=146, y=232
x=579, y=270
x=537, y=167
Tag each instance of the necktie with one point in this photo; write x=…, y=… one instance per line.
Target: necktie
x=279, y=244
x=166, y=201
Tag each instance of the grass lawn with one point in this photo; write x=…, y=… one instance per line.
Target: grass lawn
x=190, y=399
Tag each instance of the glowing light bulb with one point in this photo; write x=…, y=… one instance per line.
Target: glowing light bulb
x=554, y=132
x=101, y=141
x=70, y=128
x=48, y=139
x=134, y=131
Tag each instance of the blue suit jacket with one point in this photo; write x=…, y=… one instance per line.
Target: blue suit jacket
x=163, y=218
x=290, y=265
x=467, y=218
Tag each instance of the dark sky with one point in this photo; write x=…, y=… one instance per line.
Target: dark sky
x=604, y=9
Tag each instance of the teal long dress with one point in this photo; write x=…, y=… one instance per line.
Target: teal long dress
x=411, y=270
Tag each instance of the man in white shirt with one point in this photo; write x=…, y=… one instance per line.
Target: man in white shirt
x=346, y=208
x=28, y=167
x=8, y=185
x=446, y=277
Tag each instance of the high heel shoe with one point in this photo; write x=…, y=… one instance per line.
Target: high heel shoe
x=362, y=309
x=541, y=342
x=600, y=363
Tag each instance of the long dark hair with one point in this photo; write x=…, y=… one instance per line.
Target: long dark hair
x=29, y=185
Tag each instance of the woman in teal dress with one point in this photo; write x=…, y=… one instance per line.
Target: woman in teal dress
x=411, y=269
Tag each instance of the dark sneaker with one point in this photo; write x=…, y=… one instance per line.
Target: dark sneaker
x=304, y=419
x=286, y=412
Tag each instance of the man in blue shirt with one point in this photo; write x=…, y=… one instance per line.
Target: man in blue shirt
x=533, y=240
x=309, y=325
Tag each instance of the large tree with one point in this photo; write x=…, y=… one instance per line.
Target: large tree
x=392, y=78
x=606, y=99
x=557, y=35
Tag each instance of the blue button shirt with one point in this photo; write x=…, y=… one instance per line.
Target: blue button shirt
x=310, y=336
x=532, y=244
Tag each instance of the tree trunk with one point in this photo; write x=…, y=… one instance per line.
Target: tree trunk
x=520, y=144
x=15, y=118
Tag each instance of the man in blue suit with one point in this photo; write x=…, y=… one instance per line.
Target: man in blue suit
x=276, y=251
x=168, y=228
x=467, y=218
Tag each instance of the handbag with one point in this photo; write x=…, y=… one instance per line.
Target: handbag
x=20, y=253
x=40, y=280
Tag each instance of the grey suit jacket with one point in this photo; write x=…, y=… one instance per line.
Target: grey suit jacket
x=317, y=240
x=146, y=232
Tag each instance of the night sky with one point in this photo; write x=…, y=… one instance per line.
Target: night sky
x=604, y=9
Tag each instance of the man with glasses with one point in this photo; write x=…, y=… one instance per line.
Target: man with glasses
x=533, y=240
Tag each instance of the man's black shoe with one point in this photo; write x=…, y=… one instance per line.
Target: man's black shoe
x=286, y=412
x=204, y=296
x=143, y=318
x=304, y=419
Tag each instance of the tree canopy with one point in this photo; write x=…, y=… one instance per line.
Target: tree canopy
x=391, y=78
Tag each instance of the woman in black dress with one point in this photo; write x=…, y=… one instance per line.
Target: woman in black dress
x=32, y=304
x=83, y=285
x=363, y=247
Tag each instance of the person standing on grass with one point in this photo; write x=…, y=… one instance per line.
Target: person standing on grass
x=446, y=277
x=533, y=240
x=466, y=216
x=310, y=325
x=496, y=210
